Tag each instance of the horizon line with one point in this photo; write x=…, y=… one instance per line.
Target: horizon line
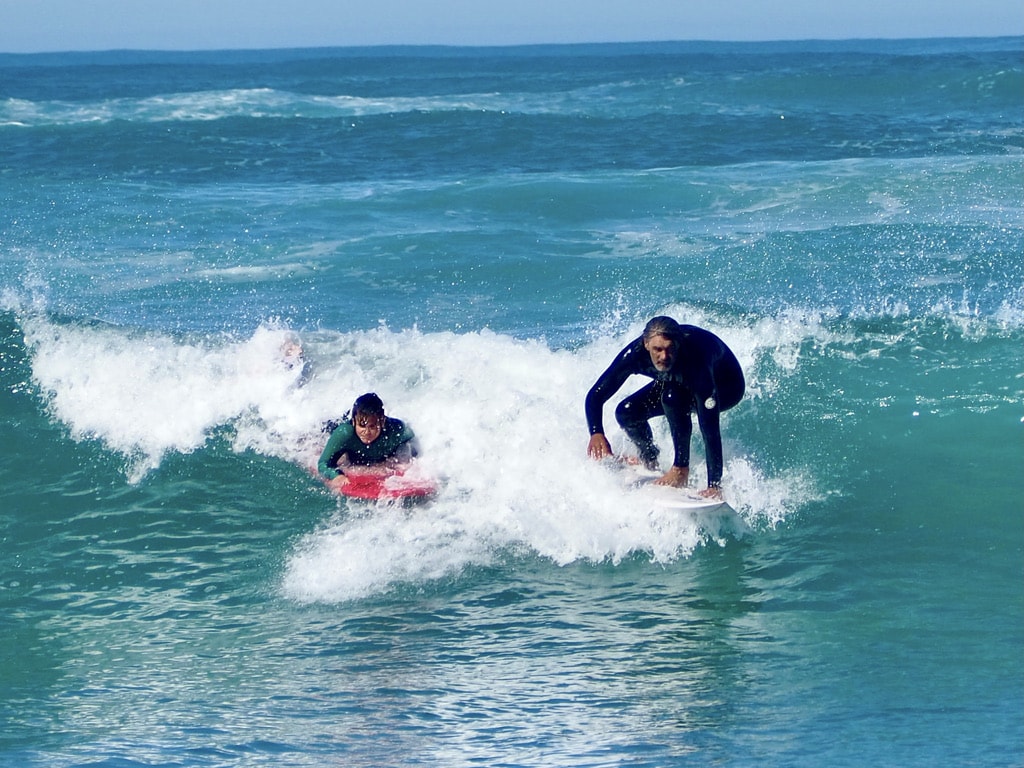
x=518, y=46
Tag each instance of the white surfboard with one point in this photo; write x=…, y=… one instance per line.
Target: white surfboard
x=679, y=498
x=667, y=496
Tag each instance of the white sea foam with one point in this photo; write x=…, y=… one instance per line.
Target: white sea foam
x=147, y=395
x=260, y=103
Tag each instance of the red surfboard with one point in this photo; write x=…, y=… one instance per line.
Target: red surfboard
x=387, y=487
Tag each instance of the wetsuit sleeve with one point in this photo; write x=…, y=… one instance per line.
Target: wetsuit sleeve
x=607, y=385
x=335, y=442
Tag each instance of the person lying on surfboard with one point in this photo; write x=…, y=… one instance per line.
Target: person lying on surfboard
x=366, y=442
x=692, y=370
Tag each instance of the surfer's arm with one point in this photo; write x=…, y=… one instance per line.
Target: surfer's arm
x=607, y=385
x=334, y=443
x=339, y=478
x=598, y=395
x=334, y=476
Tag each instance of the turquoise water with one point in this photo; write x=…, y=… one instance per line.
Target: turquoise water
x=473, y=234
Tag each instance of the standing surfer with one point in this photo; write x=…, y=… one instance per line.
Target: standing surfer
x=692, y=370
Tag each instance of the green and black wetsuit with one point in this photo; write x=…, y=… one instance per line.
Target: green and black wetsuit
x=343, y=440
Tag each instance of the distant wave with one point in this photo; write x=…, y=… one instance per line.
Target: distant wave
x=690, y=90
x=262, y=103
x=602, y=100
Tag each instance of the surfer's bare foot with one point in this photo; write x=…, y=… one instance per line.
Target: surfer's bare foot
x=711, y=493
x=676, y=477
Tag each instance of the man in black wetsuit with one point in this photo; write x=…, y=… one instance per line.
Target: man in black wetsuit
x=692, y=369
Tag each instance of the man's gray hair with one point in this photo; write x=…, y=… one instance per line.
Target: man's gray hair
x=662, y=326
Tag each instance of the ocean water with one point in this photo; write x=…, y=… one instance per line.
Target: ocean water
x=473, y=234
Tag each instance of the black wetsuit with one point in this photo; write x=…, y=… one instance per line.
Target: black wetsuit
x=705, y=376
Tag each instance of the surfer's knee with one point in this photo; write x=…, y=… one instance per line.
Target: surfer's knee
x=630, y=412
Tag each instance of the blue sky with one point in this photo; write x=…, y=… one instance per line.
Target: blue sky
x=76, y=25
